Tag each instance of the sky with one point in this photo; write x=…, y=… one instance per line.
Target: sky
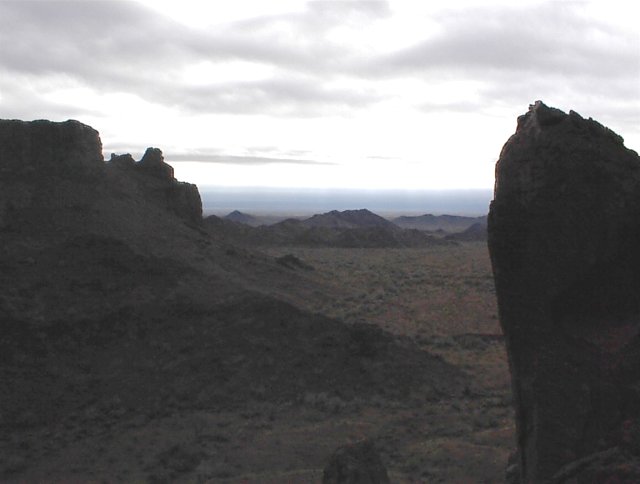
x=342, y=94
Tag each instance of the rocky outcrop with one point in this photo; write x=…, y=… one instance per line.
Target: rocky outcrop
x=43, y=148
x=564, y=237
x=50, y=169
x=152, y=162
x=357, y=463
x=156, y=180
x=36, y=158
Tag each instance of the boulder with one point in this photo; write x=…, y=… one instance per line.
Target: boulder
x=357, y=463
x=564, y=238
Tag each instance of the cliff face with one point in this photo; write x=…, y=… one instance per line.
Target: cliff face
x=155, y=178
x=564, y=237
x=39, y=148
x=50, y=169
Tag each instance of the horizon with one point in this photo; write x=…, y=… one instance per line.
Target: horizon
x=297, y=202
x=377, y=95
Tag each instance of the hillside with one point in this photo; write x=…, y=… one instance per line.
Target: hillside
x=126, y=323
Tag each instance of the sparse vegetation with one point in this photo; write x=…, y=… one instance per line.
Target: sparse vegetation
x=275, y=398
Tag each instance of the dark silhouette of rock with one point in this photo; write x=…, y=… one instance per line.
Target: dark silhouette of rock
x=45, y=148
x=185, y=201
x=564, y=237
x=158, y=183
x=357, y=463
x=54, y=174
x=41, y=165
x=152, y=162
x=125, y=161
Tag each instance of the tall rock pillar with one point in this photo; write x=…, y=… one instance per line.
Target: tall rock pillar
x=564, y=238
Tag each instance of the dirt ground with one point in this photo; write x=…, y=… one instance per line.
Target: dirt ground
x=443, y=298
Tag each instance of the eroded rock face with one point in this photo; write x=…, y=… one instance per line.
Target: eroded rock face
x=37, y=148
x=564, y=237
x=51, y=168
x=157, y=180
x=152, y=162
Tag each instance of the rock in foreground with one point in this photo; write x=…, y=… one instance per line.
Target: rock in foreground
x=564, y=237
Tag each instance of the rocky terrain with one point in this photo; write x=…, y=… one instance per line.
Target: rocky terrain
x=564, y=236
x=138, y=343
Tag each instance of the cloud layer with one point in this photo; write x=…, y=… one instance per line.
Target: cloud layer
x=324, y=61
x=124, y=46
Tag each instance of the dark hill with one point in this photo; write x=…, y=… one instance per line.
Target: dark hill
x=476, y=232
x=332, y=231
x=241, y=217
x=347, y=219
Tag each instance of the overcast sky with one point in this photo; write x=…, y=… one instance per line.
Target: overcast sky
x=397, y=94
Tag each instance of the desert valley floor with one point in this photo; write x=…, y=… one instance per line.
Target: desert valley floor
x=434, y=397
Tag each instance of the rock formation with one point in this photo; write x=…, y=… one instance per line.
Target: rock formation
x=564, y=237
x=158, y=182
x=152, y=162
x=46, y=148
x=49, y=168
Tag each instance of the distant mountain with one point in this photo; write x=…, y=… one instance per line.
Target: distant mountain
x=348, y=219
x=432, y=223
x=240, y=217
x=253, y=220
x=352, y=229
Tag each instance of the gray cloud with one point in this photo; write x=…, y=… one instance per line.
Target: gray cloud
x=17, y=97
x=121, y=46
x=238, y=160
x=549, y=38
x=116, y=46
x=215, y=155
x=517, y=55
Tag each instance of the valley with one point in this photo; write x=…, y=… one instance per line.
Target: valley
x=143, y=343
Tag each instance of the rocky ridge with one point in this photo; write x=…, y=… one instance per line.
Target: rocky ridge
x=54, y=174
